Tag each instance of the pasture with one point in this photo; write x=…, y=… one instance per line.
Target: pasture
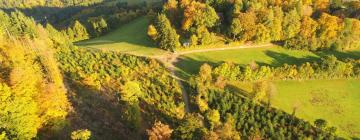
x=189, y=64
x=130, y=38
x=337, y=101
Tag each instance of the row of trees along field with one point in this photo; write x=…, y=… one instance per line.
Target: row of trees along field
x=230, y=114
x=329, y=67
x=300, y=24
x=34, y=100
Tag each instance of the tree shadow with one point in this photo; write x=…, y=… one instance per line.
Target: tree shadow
x=190, y=66
x=93, y=110
x=98, y=112
x=236, y=89
x=132, y=33
x=282, y=58
x=102, y=113
x=342, y=55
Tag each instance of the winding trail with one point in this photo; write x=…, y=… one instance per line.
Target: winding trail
x=170, y=59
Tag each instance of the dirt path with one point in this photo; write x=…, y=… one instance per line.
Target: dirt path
x=225, y=48
x=170, y=59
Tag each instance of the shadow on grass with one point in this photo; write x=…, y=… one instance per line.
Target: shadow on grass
x=342, y=55
x=134, y=33
x=282, y=58
x=190, y=66
x=236, y=89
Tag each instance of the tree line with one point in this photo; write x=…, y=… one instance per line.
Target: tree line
x=298, y=24
x=329, y=67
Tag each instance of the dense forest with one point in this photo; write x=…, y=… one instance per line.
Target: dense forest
x=52, y=89
x=298, y=24
x=33, y=61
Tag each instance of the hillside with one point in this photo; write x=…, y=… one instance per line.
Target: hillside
x=179, y=70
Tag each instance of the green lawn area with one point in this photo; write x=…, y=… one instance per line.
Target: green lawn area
x=275, y=56
x=130, y=38
x=337, y=101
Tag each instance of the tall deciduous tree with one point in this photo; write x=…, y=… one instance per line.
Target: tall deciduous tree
x=99, y=25
x=291, y=24
x=276, y=29
x=152, y=32
x=262, y=33
x=244, y=26
x=350, y=34
x=82, y=134
x=228, y=130
x=160, y=131
x=321, y=5
x=329, y=26
x=308, y=28
x=213, y=116
x=199, y=15
x=80, y=32
x=131, y=92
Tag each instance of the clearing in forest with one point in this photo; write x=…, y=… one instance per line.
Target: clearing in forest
x=189, y=64
x=130, y=38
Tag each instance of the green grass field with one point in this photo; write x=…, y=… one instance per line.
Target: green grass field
x=275, y=56
x=337, y=101
x=130, y=38
x=190, y=63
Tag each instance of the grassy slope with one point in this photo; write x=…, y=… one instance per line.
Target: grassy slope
x=130, y=38
x=336, y=101
x=275, y=56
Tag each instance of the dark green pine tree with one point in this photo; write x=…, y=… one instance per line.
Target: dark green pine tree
x=168, y=38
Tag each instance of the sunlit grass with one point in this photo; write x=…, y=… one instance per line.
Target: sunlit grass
x=130, y=38
x=337, y=101
x=276, y=56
